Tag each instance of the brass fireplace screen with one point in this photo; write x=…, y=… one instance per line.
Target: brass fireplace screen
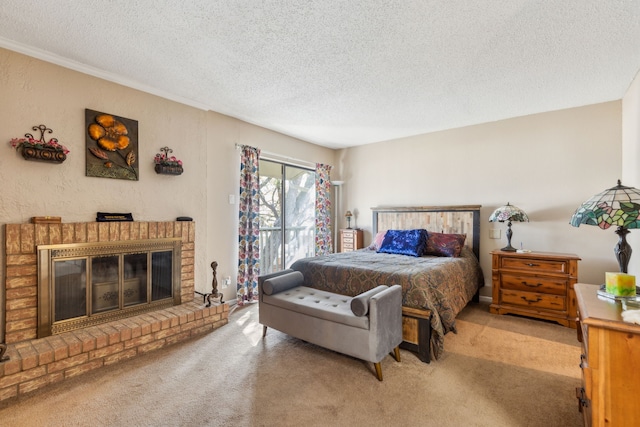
x=84, y=284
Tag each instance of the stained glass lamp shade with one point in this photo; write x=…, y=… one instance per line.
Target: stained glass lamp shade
x=617, y=206
x=508, y=213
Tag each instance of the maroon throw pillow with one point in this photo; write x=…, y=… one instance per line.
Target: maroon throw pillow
x=443, y=244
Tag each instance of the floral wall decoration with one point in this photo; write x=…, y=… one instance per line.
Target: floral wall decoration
x=40, y=149
x=166, y=164
x=112, y=146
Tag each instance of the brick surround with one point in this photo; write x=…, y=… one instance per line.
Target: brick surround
x=35, y=363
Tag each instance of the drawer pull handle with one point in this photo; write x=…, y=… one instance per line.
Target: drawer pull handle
x=583, y=402
x=530, y=264
x=530, y=300
x=531, y=285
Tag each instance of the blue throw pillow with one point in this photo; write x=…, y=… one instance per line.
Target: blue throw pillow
x=404, y=242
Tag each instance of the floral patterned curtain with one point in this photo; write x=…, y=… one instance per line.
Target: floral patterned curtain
x=323, y=210
x=249, y=227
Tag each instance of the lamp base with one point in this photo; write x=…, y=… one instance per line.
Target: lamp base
x=509, y=248
x=622, y=249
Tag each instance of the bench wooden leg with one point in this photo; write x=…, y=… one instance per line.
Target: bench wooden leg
x=378, y=371
x=264, y=331
x=396, y=353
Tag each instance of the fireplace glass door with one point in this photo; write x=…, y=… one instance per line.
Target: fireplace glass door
x=104, y=284
x=135, y=279
x=70, y=289
x=161, y=273
x=91, y=283
x=108, y=292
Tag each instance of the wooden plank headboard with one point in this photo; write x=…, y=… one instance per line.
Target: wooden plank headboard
x=439, y=219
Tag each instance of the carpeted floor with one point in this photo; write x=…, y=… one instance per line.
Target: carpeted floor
x=497, y=371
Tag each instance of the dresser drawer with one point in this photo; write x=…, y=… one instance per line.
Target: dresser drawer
x=534, y=264
x=349, y=234
x=533, y=300
x=347, y=240
x=532, y=283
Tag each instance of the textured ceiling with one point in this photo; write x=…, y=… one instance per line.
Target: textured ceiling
x=344, y=73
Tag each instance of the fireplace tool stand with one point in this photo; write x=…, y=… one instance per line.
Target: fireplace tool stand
x=206, y=297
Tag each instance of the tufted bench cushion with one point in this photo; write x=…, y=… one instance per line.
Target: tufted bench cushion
x=317, y=303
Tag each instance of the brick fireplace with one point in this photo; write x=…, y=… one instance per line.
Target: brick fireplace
x=35, y=362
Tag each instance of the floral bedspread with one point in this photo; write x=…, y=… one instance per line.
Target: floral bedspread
x=441, y=284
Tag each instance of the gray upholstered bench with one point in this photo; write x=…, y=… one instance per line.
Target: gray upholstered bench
x=367, y=326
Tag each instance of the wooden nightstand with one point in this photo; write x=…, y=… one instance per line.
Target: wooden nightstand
x=535, y=284
x=351, y=239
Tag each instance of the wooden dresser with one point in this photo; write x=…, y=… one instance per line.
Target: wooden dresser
x=610, y=362
x=351, y=239
x=535, y=284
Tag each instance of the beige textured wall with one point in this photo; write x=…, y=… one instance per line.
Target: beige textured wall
x=631, y=159
x=33, y=92
x=547, y=164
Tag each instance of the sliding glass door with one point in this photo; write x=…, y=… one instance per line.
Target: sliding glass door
x=287, y=215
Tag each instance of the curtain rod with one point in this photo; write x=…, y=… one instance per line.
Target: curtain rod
x=279, y=157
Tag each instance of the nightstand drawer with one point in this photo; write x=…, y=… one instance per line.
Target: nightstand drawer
x=347, y=240
x=533, y=264
x=534, y=300
x=531, y=283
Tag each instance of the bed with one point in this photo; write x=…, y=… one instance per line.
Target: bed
x=438, y=286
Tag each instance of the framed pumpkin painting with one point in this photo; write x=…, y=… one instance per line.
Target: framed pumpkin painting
x=112, y=146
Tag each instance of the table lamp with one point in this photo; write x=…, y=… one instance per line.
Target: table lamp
x=617, y=206
x=348, y=215
x=508, y=213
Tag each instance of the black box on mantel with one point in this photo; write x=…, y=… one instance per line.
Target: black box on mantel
x=111, y=217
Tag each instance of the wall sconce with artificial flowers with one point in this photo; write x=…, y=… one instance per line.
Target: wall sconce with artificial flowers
x=167, y=165
x=40, y=149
